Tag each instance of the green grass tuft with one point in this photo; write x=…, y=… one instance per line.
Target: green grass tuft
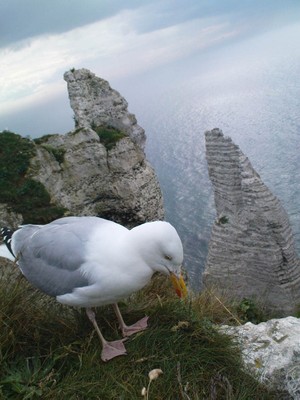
x=49, y=351
x=57, y=153
x=44, y=138
x=109, y=136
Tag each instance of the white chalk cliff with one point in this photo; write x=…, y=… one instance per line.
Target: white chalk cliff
x=251, y=250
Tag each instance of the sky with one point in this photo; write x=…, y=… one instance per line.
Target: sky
x=118, y=41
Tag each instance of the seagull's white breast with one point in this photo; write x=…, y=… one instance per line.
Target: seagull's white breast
x=112, y=266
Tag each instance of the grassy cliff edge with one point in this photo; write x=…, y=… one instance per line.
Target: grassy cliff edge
x=50, y=351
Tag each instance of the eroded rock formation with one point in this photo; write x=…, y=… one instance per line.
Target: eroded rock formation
x=251, y=250
x=9, y=217
x=95, y=103
x=100, y=168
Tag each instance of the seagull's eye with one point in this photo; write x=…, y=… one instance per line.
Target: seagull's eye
x=168, y=257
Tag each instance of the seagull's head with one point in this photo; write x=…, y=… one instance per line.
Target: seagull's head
x=162, y=250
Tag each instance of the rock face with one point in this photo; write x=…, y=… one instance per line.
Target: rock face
x=271, y=350
x=9, y=217
x=251, y=251
x=95, y=103
x=85, y=176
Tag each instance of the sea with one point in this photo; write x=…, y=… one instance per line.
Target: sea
x=250, y=89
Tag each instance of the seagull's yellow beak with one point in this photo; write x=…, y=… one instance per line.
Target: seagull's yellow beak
x=179, y=285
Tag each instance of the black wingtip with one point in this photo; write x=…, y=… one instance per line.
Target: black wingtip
x=6, y=234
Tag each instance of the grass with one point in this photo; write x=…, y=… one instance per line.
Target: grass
x=21, y=193
x=109, y=136
x=58, y=154
x=49, y=351
x=43, y=139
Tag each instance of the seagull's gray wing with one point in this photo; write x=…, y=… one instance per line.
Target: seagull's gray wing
x=50, y=256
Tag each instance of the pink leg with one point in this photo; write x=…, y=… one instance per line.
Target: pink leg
x=130, y=330
x=109, y=349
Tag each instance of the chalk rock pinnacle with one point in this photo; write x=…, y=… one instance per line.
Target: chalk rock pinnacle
x=95, y=103
x=251, y=251
x=100, y=168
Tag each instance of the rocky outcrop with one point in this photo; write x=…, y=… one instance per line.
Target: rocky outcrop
x=95, y=103
x=271, y=351
x=118, y=184
x=100, y=168
x=251, y=250
x=9, y=217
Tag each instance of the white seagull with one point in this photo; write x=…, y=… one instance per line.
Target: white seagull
x=89, y=262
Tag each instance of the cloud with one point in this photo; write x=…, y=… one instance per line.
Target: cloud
x=131, y=41
x=60, y=16
x=32, y=71
x=55, y=16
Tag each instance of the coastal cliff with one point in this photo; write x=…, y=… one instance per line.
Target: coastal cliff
x=251, y=250
x=100, y=168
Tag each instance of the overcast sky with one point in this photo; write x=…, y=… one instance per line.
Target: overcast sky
x=116, y=39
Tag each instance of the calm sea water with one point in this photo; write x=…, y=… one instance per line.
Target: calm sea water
x=250, y=90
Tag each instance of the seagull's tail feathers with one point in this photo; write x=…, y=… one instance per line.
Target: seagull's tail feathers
x=5, y=249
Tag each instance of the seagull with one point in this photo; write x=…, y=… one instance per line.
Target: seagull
x=89, y=262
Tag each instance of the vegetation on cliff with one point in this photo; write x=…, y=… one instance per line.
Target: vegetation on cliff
x=50, y=351
x=58, y=153
x=21, y=193
x=108, y=136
